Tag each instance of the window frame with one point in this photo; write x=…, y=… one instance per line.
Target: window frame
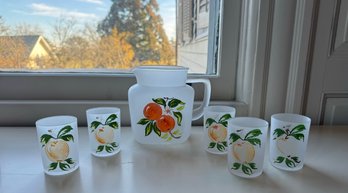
x=35, y=95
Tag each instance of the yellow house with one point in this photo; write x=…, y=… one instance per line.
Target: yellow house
x=27, y=51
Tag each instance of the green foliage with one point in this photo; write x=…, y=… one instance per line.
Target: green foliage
x=278, y=132
x=68, y=137
x=234, y=137
x=111, y=118
x=100, y=148
x=53, y=166
x=212, y=144
x=290, y=161
x=45, y=138
x=160, y=101
x=141, y=20
x=143, y=121
x=225, y=117
x=209, y=121
x=95, y=125
x=175, y=102
x=64, y=131
x=247, y=168
x=178, y=116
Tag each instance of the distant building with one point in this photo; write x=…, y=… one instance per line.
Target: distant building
x=27, y=51
x=192, y=34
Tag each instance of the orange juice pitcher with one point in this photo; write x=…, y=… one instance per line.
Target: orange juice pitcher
x=161, y=104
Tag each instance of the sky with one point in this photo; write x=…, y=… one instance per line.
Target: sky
x=45, y=13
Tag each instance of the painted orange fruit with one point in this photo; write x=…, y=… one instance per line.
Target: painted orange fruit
x=152, y=111
x=243, y=151
x=105, y=134
x=217, y=132
x=165, y=123
x=57, y=150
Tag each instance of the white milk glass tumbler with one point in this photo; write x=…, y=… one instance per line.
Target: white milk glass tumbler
x=288, y=140
x=58, y=138
x=215, y=128
x=246, y=147
x=104, y=128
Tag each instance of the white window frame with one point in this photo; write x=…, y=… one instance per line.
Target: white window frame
x=245, y=67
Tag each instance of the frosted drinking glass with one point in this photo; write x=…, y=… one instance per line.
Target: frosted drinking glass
x=246, y=146
x=288, y=140
x=58, y=138
x=104, y=128
x=215, y=128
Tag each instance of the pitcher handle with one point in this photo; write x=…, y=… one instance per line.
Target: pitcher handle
x=198, y=112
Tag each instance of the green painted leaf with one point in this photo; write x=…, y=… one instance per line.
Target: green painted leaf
x=295, y=159
x=224, y=143
x=253, y=133
x=298, y=129
x=176, y=132
x=110, y=119
x=174, y=103
x=113, y=125
x=279, y=159
x=100, y=148
x=224, y=123
x=212, y=144
x=64, y=130
x=68, y=137
x=279, y=132
x=252, y=166
x=69, y=161
x=169, y=138
x=225, y=117
x=155, y=129
x=236, y=166
x=209, y=121
x=220, y=147
x=64, y=166
x=160, y=101
x=290, y=163
x=234, y=137
x=254, y=141
x=143, y=121
x=114, y=144
x=53, y=166
x=246, y=170
x=109, y=149
x=178, y=117
x=180, y=108
x=95, y=124
x=45, y=138
x=165, y=136
x=298, y=136
x=148, y=129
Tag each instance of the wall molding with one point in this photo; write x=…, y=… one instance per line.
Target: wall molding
x=254, y=53
x=301, y=55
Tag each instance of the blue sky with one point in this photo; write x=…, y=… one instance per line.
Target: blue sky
x=45, y=13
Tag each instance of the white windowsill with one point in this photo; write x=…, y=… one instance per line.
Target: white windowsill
x=178, y=168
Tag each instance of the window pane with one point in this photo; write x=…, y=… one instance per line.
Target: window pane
x=103, y=35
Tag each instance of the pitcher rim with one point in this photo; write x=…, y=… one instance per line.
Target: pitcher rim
x=163, y=68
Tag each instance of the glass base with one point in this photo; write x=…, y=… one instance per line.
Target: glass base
x=286, y=168
x=106, y=154
x=244, y=175
x=216, y=152
x=61, y=173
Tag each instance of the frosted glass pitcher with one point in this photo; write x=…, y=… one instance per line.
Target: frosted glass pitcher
x=161, y=104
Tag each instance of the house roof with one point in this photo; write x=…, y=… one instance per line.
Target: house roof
x=29, y=41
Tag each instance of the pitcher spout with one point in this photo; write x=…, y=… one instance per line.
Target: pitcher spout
x=161, y=76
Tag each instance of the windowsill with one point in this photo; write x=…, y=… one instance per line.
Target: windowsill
x=178, y=168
